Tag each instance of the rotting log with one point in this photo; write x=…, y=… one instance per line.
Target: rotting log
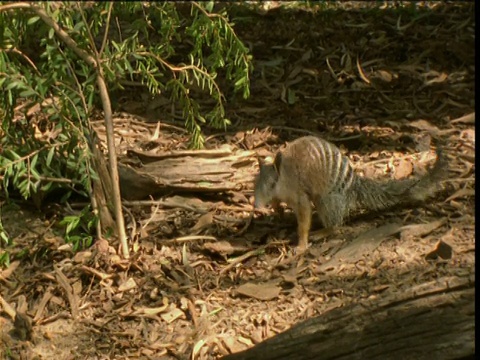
x=202, y=171
x=430, y=321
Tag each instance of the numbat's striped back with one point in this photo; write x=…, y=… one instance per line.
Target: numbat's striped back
x=311, y=169
x=330, y=170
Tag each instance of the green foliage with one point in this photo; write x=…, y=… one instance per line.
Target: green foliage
x=170, y=51
x=46, y=149
x=4, y=240
x=4, y=259
x=78, y=229
x=179, y=56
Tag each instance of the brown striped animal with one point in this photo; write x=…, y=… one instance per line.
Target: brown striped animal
x=312, y=170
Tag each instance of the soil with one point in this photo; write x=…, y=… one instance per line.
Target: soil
x=207, y=279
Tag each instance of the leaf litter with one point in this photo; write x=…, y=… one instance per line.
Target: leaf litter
x=208, y=276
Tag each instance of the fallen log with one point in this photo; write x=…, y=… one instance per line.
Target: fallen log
x=217, y=170
x=430, y=321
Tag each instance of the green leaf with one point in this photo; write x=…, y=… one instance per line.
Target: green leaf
x=209, y=6
x=129, y=67
x=78, y=26
x=27, y=93
x=46, y=187
x=15, y=84
x=291, y=98
x=35, y=174
x=33, y=20
x=4, y=237
x=13, y=154
x=240, y=82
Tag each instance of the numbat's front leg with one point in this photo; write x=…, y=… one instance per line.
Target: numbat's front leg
x=303, y=211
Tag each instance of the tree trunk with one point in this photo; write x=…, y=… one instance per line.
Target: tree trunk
x=430, y=321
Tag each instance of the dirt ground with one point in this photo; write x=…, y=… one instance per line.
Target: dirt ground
x=205, y=278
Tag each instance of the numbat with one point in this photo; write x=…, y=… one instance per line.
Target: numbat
x=312, y=170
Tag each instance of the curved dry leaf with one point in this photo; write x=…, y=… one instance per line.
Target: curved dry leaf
x=467, y=119
x=460, y=194
x=424, y=125
x=197, y=347
x=438, y=79
x=331, y=69
x=361, y=72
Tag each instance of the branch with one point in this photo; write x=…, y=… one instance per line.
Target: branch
x=62, y=34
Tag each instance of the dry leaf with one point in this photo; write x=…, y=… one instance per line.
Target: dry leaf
x=290, y=278
x=232, y=344
x=467, y=119
x=203, y=221
x=150, y=311
x=66, y=247
x=82, y=256
x=172, y=315
x=419, y=230
x=127, y=285
x=364, y=244
x=380, y=288
x=238, y=197
x=403, y=169
x=5, y=274
x=361, y=72
x=442, y=250
x=266, y=291
x=440, y=78
x=384, y=75
x=460, y=194
x=424, y=125
x=55, y=240
x=103, y=246
x=224, y=248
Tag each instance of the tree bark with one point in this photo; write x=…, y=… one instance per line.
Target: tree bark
x=430, y=321
x=206, y=171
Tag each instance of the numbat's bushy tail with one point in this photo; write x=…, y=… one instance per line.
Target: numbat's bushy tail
x=311, y=169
